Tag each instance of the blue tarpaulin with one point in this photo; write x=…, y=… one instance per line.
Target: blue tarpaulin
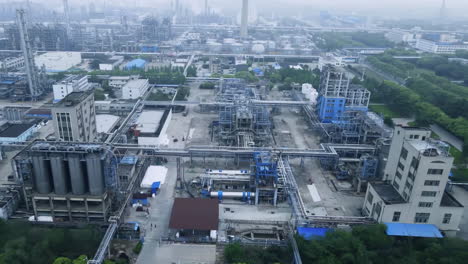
x=137, y=63
x=155, y=186
x=312, y=232
x=412, y=230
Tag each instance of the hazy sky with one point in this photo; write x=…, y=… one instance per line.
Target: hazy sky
x=384, y=7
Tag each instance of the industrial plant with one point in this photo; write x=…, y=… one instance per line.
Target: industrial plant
x=178, y=128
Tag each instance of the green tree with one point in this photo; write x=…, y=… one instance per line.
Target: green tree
x=63, y=260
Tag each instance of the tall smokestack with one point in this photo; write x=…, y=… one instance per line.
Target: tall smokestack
x=244, y=19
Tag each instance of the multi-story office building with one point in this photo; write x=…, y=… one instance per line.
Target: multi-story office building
x=440, y=47
x=134, y=89
x=121, y=81
x=69, y=84
x=12, y=63
x=75, y=118
x=415, y=179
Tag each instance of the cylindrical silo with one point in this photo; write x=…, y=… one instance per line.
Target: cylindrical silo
x=77, y=176
x=41, y=174
x=59, y=174
x=95, y=174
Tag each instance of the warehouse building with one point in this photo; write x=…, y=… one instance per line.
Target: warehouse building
x=10, y=132
x=195, y=219
x=151, y=127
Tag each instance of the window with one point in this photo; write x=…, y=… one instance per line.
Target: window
x=435, y=171
x=425, y=204
x=370, y=198
x=401, y=166
x=416, y=136
x=447, y=218
x=396, y=185
x=414, y=163
x=409, y=185
x=411, y=175
x=421, y=217
x=404, y=153
x=396, y=216
x=431, y=183
x=398, y=174
x=411, y=136
x=428, y=194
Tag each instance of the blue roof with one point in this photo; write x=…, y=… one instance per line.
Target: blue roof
x=312, y=232
x=137, y=63
x=412, y=230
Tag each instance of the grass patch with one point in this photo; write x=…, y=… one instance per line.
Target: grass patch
x=384, y=110
x=458, y=155
x=460, y=175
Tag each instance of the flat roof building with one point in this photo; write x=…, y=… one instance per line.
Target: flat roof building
x=135, y=89
x=71, y=83
x=16, y=132
x=195, y=215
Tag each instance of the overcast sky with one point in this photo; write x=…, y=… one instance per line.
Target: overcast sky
x=383, y=7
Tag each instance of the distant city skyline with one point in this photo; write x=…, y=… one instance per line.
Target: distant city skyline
x=389, y=8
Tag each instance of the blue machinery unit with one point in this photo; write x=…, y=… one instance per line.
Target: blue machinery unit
x=266, y=169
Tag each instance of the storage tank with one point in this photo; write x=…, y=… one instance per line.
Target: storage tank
x=95, y=175
x=59, y=174
x=41, y=172
x=77, y=176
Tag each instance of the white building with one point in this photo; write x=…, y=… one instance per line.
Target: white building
x=134, y=89
x=12, y=63
x=58, y=61
x=111, y=64
x=121, y=81
x=71, y=83
x=152, y=126
x=440, y=47
x=400, y=36
x=415, y=178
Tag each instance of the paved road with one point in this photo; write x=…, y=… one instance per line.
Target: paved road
x=462, y=196
x=447, y=136
x=160, y=213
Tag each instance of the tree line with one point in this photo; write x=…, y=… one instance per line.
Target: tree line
x=22, y=243
x=371, y=245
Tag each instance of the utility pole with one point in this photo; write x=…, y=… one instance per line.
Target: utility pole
x=28, y=54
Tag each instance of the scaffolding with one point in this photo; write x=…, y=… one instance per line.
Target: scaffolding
x=241, y=123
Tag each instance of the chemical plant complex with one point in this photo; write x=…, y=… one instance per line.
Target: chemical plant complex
x=98, y=129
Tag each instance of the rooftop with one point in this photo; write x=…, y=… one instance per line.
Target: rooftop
x=195, y=213
x=13, y=130
x=148, y=121
x=388, y=194
x=73, y=99
x=430, y=147
x=104, y=123
x=136, y=83
x=71, y=78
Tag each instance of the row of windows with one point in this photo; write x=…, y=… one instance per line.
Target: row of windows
x=428, y=194
x=435, y=171
x=431, y=183
x=422, y=217
x=401, y=166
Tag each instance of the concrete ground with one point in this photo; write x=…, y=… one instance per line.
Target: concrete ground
x=159, y=216
x=462, y=196
x=185, y=254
